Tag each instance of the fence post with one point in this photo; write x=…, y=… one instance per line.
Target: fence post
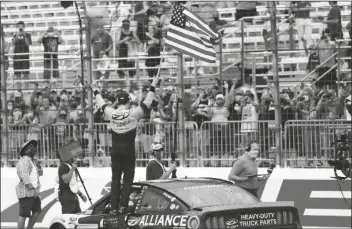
x=89, y=108
x=180, y=94
x=242, y=51
x=276, y=94
x=4, y=129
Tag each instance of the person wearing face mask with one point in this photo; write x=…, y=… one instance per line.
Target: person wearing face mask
x=155, y=168
x=21, y=42
x=102, y=44
x=123, y=122
x=18, y=99
x=245, y=170
x=28, y=188
x=123, y=38
x=51, y=40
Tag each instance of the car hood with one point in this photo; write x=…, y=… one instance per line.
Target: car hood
x=227, y=207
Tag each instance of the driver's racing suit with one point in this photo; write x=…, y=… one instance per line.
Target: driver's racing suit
x=123, y=122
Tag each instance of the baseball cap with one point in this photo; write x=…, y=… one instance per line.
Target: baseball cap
x=220, y=96
x=122, y=97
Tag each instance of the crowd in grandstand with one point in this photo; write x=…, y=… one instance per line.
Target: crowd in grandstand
x=140, y=27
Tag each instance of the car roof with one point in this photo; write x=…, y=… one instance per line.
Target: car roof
x=176, y=183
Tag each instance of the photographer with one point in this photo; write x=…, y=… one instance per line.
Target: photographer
x=68, y=188
x=21, y=42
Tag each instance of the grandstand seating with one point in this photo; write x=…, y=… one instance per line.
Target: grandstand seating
x=38, y=15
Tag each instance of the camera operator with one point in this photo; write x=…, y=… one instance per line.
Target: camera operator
x=124, y=121
x=343, y=152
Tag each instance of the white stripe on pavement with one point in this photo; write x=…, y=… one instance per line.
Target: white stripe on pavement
x=310, y=227
x=330, y=194
x=328, y=212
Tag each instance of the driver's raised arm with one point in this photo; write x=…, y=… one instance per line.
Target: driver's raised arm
x=101, y=103
x=139, y=111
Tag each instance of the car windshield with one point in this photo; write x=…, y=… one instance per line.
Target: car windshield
x=212, y=195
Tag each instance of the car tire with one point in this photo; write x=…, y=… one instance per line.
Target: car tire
x=57, y=226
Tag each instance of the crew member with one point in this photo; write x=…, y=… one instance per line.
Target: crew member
x=68, y=188
x=245, y=170
x=124, y=120
x=155, y=168
x=28, y=188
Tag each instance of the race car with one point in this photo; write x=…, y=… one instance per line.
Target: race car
x=190, y=203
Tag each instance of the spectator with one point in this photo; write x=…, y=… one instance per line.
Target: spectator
x=119, y=14
x=204, y=10
x=313, y=59
x=101, y=45
x=301, y=11
x=333, y=21
x=46, y=113
x=250, y=115
x=154, y=43
x=326, y=50
x=201, y=108
x=306, y=105
x=139, y=15
x=125, y=37
x=21, y=42
x=329, y=106
x=18, y=99
x=51, y=40
x=166, y=18
x=246, y=9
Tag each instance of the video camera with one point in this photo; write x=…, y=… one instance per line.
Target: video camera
x=343, y=150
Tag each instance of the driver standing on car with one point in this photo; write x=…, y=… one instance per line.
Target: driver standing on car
x=123, y=122
x=245, y=170
x=155, y=168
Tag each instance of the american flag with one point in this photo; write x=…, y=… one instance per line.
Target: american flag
x=189, y=34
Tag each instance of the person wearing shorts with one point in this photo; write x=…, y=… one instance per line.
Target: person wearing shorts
x=28, y=188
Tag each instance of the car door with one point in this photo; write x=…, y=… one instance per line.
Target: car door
x=158, y=209
x=103, y=206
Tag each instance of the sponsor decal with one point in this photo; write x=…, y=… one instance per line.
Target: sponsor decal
x=172, y=206
x=252, y=220
x=171, y=198
x=136, y=186
x=159, y=220
x=203, y=186
x=133, y=221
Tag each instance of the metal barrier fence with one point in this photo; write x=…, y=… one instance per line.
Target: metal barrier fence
x=310, y=141
x=213, y=144
x=222, y=142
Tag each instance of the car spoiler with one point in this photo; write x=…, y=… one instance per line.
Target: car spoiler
x=218, y=208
